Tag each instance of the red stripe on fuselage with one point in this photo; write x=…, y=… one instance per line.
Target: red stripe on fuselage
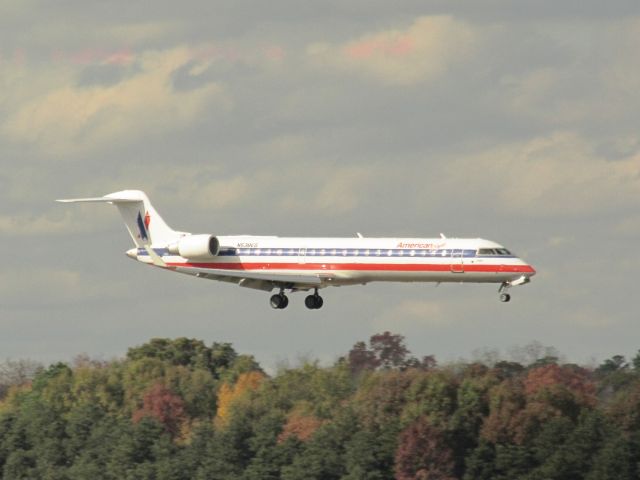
x=386, y=267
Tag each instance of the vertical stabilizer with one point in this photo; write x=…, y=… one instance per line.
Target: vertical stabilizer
x=143, y=222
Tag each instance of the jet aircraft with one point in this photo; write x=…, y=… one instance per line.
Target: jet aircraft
x=309, y=264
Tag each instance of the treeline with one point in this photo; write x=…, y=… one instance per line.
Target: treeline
x=179, y=409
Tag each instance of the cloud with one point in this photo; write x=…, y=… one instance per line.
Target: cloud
x=414, y=313
x=136, y=33
x=24, y=225
x=10, y=9
x=594, y=82
x=46, y=285
x=590, y=318
x=330, y=190
x=421, y=52
x=555, y=175
x=221, y=193
x=70, y=119
x=628, y=227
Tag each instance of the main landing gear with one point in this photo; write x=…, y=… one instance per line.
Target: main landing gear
x=313, y=302
x=280, y=301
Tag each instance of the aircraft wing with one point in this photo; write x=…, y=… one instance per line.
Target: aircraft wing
x=260, y=280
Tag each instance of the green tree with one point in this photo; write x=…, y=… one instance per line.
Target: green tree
x=615, y=460
x=636, y=361
x=617, y=362
x=323, y=457
x=370, y=453
x=574, y=458
x=480, y=462
x=180, y=351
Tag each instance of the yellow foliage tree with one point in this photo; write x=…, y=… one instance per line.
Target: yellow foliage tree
x=230, y=394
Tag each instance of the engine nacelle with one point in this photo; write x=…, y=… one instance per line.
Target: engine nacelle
x=196, y=246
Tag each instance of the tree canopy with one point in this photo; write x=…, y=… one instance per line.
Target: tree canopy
x=181, y=409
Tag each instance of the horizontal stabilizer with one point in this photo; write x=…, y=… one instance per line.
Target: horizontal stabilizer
x=98, y=200
x=143, y=222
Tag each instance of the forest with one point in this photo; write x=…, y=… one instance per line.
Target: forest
x=180, y=409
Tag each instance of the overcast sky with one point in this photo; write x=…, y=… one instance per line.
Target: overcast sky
x=513, y=121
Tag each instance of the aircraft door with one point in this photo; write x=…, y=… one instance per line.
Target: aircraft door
x=457, y=260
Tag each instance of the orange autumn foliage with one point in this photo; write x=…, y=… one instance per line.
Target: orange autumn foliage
x=300, y=426
x=553, y=377
x=518, y=409
x=229, y=394
x=165, y=406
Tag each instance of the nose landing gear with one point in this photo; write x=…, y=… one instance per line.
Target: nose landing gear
x=504, y=296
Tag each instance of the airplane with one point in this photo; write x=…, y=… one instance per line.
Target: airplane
x=305, y=264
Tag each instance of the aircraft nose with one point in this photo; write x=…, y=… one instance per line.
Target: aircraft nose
x=132, y=253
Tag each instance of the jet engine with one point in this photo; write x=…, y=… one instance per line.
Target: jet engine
x=196, y=246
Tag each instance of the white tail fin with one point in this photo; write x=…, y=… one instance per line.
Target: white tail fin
x=145, y=225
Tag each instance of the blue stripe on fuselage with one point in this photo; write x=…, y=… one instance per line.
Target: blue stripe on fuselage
x=341, y=252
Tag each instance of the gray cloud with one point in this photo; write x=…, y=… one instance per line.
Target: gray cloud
x=511, y=122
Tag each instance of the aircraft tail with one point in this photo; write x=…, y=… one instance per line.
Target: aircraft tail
x=143, y=222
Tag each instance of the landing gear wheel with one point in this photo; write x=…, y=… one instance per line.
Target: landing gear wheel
x=505, y=297
x=313, y=302
x=279, y=301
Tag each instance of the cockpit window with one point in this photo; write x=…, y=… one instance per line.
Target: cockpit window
x=494, y=251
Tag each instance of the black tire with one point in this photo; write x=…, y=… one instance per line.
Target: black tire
x=319, y=301
x=285, y=302
x=276, y=301
x=310, y=302
x=505, y=297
